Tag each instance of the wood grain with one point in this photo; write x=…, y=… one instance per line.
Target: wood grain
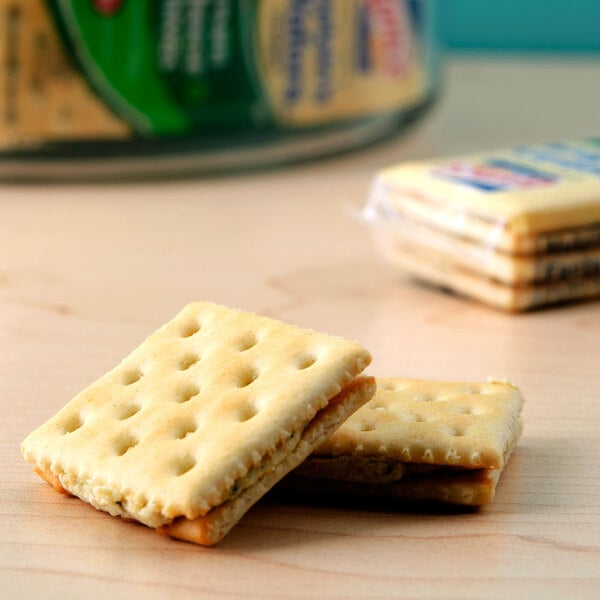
x=86, y=272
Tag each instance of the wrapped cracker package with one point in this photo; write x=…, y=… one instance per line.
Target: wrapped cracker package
x=201, y=420
x=516, y=229
x=419, y=440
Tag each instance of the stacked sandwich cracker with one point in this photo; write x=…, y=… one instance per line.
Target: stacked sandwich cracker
x=420, y=440
x=218, y=405
x=516, y=229
x=203, y=418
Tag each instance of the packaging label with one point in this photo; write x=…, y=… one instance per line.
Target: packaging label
x=524, y=167
x=322, y=60
x=160, y=68
x=43, y=96
x=493, y=175
x=581, y=156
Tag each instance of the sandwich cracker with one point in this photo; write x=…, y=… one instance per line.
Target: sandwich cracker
x=201, y=420
x=436, y=268
x=420, y=439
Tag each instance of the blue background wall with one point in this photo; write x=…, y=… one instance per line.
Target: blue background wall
x=534, y=25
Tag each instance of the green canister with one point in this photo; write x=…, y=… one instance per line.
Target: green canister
x=128, y=88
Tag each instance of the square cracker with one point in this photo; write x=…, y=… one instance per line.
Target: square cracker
x=420, y=439
x=199, y=421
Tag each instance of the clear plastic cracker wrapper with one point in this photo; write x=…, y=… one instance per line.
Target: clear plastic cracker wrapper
x=516, y=229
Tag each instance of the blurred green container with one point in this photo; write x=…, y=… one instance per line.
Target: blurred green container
x=131, y=88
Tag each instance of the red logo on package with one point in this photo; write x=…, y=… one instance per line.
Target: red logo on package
x=391, y=35
x=107, y=8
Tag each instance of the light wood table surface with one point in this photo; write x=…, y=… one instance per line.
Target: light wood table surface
x=86, y=272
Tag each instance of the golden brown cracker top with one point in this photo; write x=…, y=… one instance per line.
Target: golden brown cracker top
x=188, y=417
x=472, y=425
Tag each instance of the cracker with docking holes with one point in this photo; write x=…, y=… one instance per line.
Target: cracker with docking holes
x=426, y=440
x=199, y=421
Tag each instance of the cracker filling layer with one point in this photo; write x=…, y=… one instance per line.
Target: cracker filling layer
x=371, y=469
